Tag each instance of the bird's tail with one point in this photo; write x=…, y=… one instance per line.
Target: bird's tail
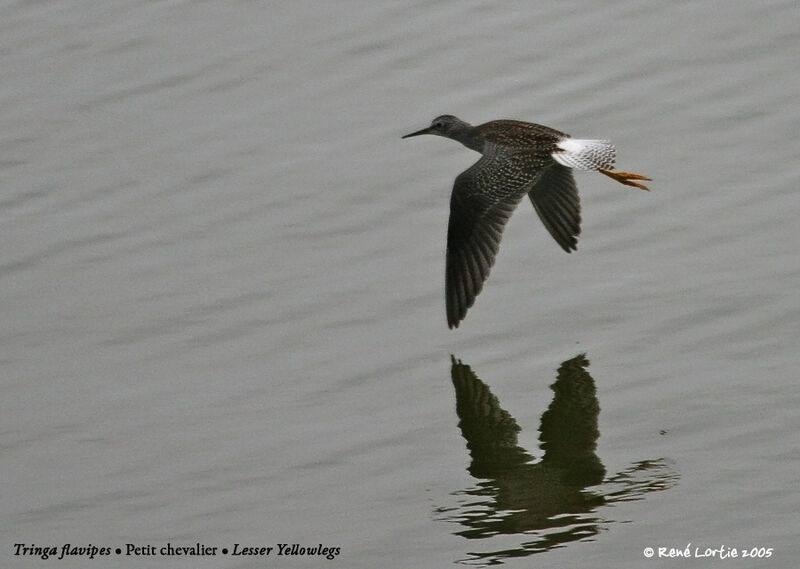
x=585, y=154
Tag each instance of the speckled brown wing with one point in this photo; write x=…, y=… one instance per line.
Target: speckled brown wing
x=555, y=198
x=483, y=199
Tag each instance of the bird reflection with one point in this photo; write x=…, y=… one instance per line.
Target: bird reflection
x=548, y=501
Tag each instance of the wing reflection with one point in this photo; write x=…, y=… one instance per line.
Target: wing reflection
x=547, y=501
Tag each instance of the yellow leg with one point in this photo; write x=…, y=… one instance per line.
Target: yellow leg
x=626, y=178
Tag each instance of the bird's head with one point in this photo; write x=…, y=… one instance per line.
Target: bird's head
x=445, y=125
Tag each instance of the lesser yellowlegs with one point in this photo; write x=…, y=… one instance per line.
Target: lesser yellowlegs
x=518, y=158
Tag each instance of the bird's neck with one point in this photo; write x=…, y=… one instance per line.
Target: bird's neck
x=470, y=137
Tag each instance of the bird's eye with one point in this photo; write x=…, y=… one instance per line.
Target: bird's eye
x=438, y=124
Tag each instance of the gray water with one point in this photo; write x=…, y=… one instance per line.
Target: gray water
x=221, y=285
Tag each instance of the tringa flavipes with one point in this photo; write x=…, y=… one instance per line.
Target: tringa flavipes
x=518, y=158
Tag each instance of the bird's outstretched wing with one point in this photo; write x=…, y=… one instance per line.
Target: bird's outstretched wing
x=555, y=198
x=483, y=199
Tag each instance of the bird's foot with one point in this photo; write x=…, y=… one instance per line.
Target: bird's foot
x=627, y=178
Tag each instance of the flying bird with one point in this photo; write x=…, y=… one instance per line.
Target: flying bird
x=518, y=158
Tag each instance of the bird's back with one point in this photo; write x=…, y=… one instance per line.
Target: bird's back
x=521, y=135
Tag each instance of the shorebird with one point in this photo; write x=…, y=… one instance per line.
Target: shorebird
x=518, y=158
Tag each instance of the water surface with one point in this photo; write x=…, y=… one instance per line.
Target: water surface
x=221, y=280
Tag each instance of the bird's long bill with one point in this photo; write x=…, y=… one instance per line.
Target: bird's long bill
x=423, y=131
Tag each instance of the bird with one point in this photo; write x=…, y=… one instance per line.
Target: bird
x=518, y=158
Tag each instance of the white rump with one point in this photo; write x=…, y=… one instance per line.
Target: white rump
x=585, y=154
